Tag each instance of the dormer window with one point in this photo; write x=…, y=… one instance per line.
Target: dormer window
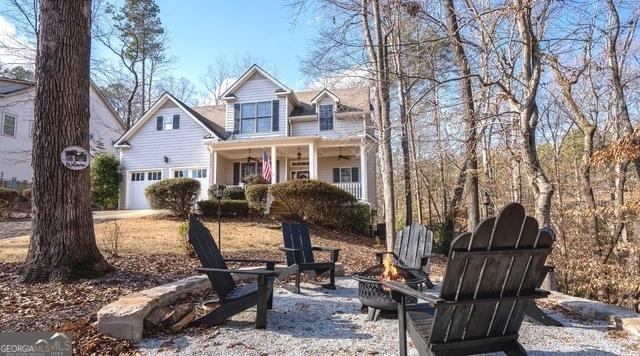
x=325, y=116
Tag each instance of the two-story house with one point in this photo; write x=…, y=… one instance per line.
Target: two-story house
x=321, y=134
x=17, y=100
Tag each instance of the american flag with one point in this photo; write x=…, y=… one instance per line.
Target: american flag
x=266, y=166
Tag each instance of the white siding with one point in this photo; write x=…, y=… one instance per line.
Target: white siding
x=257, y=88
x=342, y=126
x=183, y=147
x=327, y=164
x=15, y=152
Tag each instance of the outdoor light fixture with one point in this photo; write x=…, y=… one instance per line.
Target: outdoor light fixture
x=299, y=154
x=166, y=159
x=486, y=201
x=219, y=192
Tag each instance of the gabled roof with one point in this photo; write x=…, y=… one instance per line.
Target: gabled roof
x=352, y=100
x=209, y=125
x=322, y=93
x=282, y=89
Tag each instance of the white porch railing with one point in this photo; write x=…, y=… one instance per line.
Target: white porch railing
x=353, y=188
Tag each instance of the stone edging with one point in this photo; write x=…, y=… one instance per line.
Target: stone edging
x=623, y=319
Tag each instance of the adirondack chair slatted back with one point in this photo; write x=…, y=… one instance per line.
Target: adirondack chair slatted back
x=210, y=257
x=413, y=243
x=297, y=236
x=474, y=273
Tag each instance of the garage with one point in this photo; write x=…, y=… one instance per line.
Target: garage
x=197, y=173
x=137, y=181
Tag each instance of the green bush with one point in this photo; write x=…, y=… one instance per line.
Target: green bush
x=313, y=201
x=229, y=193
x=354, y=218
x=176, y=195
x=255, y=179
x=443, y=235
x=183, y=243
x=229, y=208
x=105, y=180
x=8, y=199
x=257, y=195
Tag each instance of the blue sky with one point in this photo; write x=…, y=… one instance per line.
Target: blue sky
x=202, y=30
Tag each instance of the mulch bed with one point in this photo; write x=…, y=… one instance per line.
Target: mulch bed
x=72, y=307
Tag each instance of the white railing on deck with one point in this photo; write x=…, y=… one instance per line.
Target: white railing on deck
x=353, y=188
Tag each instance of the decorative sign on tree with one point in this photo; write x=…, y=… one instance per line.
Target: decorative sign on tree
x=75, y=158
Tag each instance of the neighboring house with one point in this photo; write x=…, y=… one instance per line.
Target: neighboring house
x=320, y=134
x=16, y=123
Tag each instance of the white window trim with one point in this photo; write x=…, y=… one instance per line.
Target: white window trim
x=255, y=117
x=188, y=169
x=165, y=121
x=333, y=116
x=15, y=125
x=350, y=174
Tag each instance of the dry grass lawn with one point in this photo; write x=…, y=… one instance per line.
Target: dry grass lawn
x=147, y=236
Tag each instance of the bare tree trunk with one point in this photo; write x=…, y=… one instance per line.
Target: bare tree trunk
x=466, y=94
x=378, y=57
x=62, y=245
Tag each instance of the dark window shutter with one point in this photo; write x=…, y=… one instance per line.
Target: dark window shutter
x=355, y=174
x=176, y=122
x=336, y=175
x=275, y=126
x=159, y=123
x=236, y=173
x=277, y=170
x=236, y=119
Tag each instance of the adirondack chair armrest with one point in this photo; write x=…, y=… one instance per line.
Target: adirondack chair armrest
x=297, y=253
x=398, y=288
x=333, y=251
x=258, y=272
x=270, y=264
x=424, y=260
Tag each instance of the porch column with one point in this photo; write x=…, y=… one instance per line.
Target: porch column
x=274, y=165
x=313, y=161
x=213, y=169
x=364, y=179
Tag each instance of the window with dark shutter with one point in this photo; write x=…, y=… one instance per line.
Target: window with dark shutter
x=236, y=173
x=236, y=119
x=355, y=174
x=159, y=123
x=176, y=122
x=336, y=175
x=275, y=116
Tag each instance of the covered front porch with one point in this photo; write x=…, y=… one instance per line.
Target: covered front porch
x=342, y=163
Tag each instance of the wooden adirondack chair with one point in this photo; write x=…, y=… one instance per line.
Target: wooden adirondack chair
x=489, y=283
x=412, y=250
x=232, y=299
x=300, y=259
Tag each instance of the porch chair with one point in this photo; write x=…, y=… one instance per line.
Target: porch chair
x=232, y=299
x=299, y=253
x=490, y=281
x=412, y=250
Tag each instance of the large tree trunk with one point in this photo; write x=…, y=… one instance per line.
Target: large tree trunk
x=462, y=62
x=63, y=244
x=378, y=56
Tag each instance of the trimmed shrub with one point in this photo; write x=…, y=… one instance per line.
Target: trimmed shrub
x=184, y=245
x=105, y=180
x=26, y=194
x=257, y=195
x=229, y=208
x=355, y=218
x=255, y=179
x=230, y=193
x=176, y=195
x=313, y=200
x=8, y=199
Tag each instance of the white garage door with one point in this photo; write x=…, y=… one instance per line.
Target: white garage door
x=199, y=174
x=136, y=184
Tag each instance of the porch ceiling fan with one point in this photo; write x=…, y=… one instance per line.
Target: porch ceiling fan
x=251, y=159
x=341, y=156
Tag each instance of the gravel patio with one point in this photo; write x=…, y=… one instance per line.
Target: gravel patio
x=322, y=322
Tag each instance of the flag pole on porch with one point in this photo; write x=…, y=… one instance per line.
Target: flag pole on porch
x=266, y=166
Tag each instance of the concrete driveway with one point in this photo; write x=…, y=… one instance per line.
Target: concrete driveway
x=15, y=228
